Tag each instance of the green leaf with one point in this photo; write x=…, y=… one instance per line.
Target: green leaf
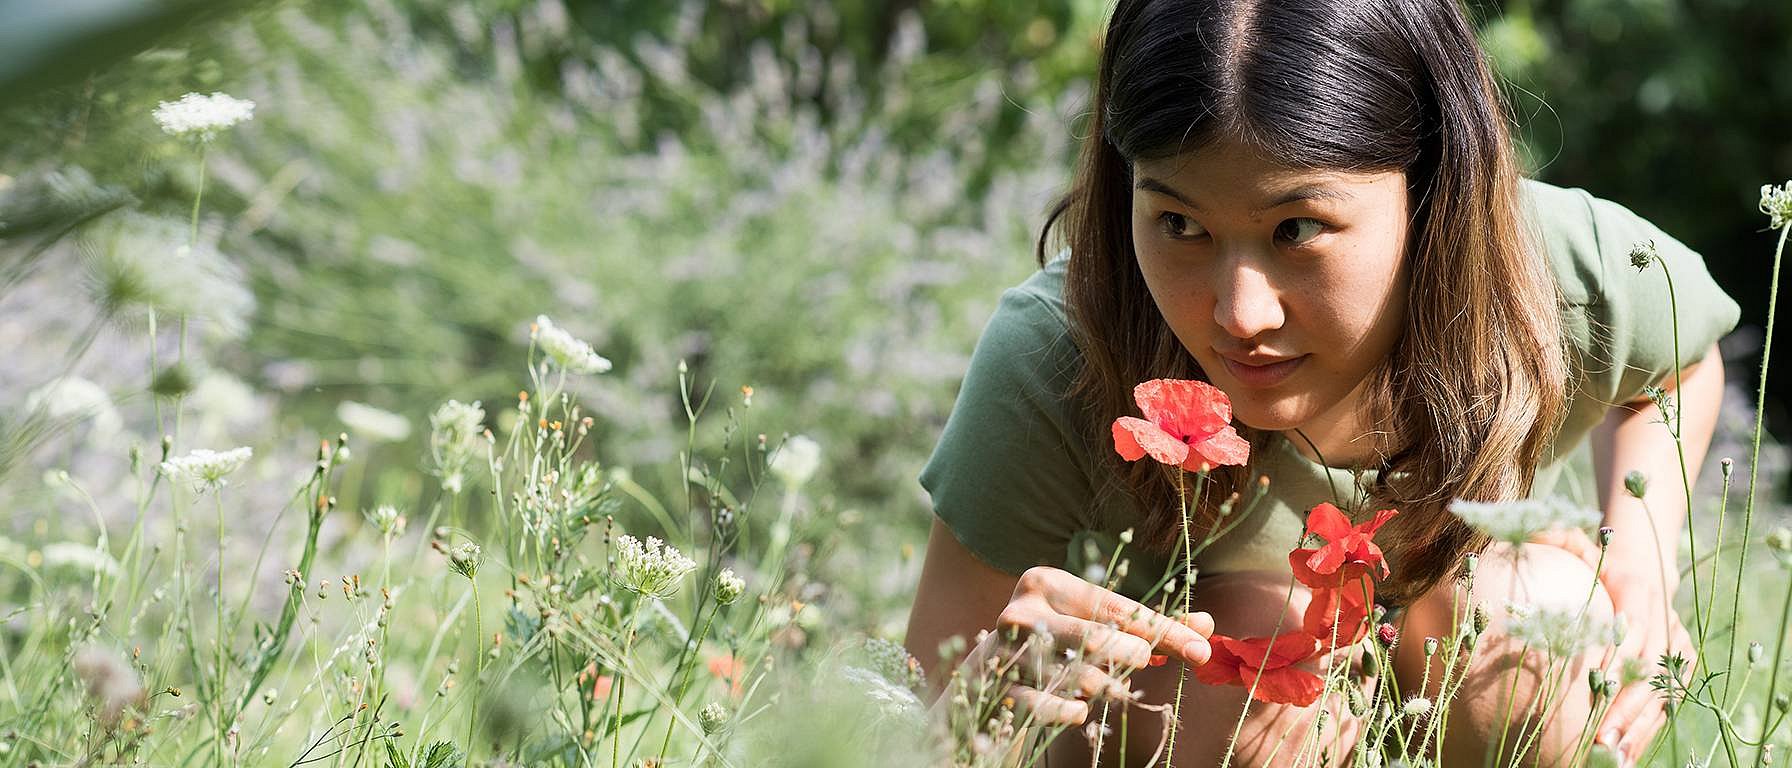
x=395, y=757
x=442, y=754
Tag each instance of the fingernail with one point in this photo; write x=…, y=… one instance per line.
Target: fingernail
x=1196, y=649
x=1158, y=660
x=1609, y=738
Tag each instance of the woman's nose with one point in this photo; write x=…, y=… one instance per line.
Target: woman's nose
x=1246, y=303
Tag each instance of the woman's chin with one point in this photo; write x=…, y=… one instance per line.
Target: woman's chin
x=1268, y=417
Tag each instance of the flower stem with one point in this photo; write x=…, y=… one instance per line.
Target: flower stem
x=1754, y=459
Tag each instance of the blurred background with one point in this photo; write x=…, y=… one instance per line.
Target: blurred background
x=820, y=200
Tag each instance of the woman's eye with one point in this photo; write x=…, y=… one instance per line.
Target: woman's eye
x=1299, y=231
x=1178, y=225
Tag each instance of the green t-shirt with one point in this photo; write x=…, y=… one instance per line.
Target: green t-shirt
x=1018, y=476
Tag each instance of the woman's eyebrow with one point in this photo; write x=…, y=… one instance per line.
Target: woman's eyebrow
x=1303, y=192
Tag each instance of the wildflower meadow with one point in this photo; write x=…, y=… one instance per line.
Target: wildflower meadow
x=437, y=385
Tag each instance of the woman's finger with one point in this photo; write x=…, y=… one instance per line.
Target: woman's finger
x=1631, y=746
x=1087, y=601
x=1046, y=709
x=1634, y=705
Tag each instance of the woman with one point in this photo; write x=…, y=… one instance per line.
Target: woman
x=1314, y=205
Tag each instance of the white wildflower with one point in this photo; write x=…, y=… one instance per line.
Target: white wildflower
x=73, y=398
x=729, y=587
x=110, y=683
x=81, y=557
x=796, y=461
x=204, y=470
x=654, y=568
x=566, y=350
x=894, y=662
x=201, y=116
x=386, y=519
x=1561, y=632
x=136, y=264
x=454, y=440
x=375, y=424
x=712, y=717
x=464, y=559
x=1514, y=522
x=1776, y=202
x=891, y=699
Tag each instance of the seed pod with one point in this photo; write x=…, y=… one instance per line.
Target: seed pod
x=1636, y=483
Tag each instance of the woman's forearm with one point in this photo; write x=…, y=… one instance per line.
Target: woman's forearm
x=1632, y=437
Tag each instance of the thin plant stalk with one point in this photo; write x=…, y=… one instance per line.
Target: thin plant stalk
x=1754, y=457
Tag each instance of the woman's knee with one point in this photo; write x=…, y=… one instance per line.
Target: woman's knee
x=1541, y=608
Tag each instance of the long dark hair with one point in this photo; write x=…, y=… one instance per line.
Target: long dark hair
x=1475, y=388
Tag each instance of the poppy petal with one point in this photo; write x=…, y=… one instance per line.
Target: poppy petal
x=1224, y=448
x=1147, y=438
x=1184, y=407
x=1327, y=559
x=1295, y=687
x=1327, y=521
x=1381, y=517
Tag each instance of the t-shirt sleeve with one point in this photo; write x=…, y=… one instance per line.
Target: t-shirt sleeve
x=1006, y=476
x=1632, y=317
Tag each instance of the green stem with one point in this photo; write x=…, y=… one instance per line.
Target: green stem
x=478, y=671
x=1754, y=459
x=218, y=684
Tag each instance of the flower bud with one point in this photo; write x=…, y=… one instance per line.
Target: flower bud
x=713, y=717
x=1388, y=635
x=1126, y=536
x=1605, y=535
x=1780, y=540
x=729, y=587
x=1430, y=646
x=1727, y=464
x=1754, y=652
x=1636, y=483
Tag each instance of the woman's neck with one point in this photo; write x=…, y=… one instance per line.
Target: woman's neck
x=1342, y=436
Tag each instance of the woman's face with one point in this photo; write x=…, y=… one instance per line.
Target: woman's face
x=1287, y=285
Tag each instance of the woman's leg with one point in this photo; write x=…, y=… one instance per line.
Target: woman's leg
x=1511, y=690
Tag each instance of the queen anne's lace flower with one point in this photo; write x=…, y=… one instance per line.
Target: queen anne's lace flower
x=202, y=116
x=1560, y=632
x=891, y=699
x=1514, y=522
x=654, y=568
x=1776, y=202
x=204, y=470
x=729, y=587
x=566, y=350
x=796, y=461
x=454, y=431
x=712, y=717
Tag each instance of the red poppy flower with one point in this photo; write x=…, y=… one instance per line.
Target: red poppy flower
x=1277, y=681
x=1349, y=551
x=1187, y=424
x=1346, y=607
x=729, y=670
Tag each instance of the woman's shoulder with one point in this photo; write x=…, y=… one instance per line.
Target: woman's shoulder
x=1626, y=327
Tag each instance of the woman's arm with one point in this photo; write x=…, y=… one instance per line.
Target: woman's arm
x=958, y=595
x=1641, y=570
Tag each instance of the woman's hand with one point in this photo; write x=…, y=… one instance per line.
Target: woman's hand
x=1654, y=629
x=1108, y=634
x=1633, y=580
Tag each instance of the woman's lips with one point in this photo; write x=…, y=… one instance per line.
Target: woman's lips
x=1262, y=375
